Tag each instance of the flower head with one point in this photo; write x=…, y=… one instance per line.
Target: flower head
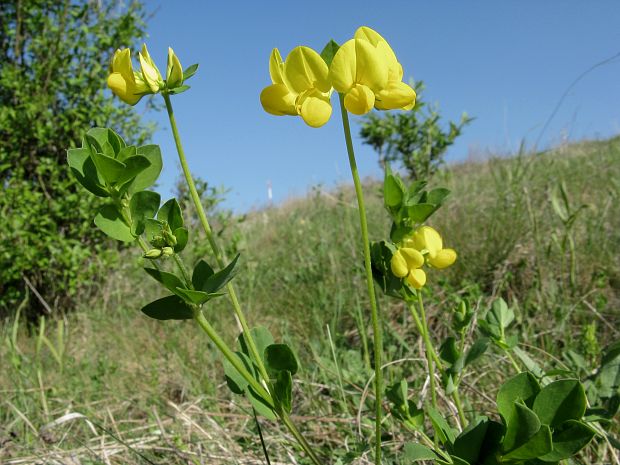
x=365, y=70
x=300, y=86
x=424, y=246
x=126, y=83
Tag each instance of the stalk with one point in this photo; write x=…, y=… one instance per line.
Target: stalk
x=376, y=325
x=210, y=237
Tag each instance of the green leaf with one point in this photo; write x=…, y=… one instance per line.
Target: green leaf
x=152, y=228
x=168, y=308
x=170, y=212
x=569, y=439
x=280, y=357
x=147, y=177
x=560, y=401
x=182, y=236
x=262, y=338
x=420, y=212
x=127, y=152
x=84, y=170
x=179, y=89
x=260, y=405
x=443, y=431
x=522, y=387
x=133, y=167
x=537, y=446
x=500, y=315
x=201, y=273
x=143, y=205
x=194, y=297
x=110, y=221
x=393, y=191
x=190, y=71
x=103, y=135
x=283, y=390
x=169, y=280
x=437, y=196
x=329, y=51
x=107, y=167
x=237, y=383
x=449, y=351
x=468, y=444
x=219, y=279
x=521, y=425
x=416, y=452
x=476, y=350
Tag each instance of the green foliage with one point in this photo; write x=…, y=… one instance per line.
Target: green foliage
x=413, y=139
x=54, y=59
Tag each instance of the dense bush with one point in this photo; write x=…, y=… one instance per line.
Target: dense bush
x=54, y=57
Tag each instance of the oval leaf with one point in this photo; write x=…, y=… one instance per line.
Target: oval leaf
x=560, y=401
x=168, y=308
x=109, y=220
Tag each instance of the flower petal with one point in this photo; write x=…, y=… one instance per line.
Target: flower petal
x=174, y=71
x=372, y=36
x=151, y=73
x=426, y=238
x=413, y=257
x=277, y=100
x=304, y=69
x=371, y=66
x=315, y=109
x=359, y=100
x=443, y=259
x=123, y=89
x=396, y=95
x=398, y=265
x=276, y=66
x=417, y=278
x=342, y=69
x=121, y=63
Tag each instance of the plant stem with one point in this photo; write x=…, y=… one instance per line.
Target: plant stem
x=512, y=360
x=204, y=324
x=299, y=437
x=376, y=325
x=210, y=237
x=429, y=349
x=184, y=272
x=231, y=357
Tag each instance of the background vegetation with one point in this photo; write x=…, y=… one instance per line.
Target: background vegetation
x=158, y=388
x=53, y=55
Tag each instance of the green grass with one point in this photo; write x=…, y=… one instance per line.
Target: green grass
x=159, y=387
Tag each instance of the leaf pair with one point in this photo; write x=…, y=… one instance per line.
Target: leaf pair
x=180, y=306
x=281, y=364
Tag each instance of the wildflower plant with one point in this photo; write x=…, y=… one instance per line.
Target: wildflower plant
x=541, y=418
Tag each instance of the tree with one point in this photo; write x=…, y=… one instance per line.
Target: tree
x=54, y=58
x=413, y=138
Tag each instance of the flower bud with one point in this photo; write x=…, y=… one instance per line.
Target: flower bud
x=153, y=254
x=174, y=71
x=167, y=251
x=151, y=74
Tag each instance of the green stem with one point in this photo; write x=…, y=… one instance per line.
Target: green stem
x=210, y=237
x=184, y=272
x=204, y=324
x=231, y=357
x=429, y=349
x=299, y=437
x=512, y=360
x=376, y=325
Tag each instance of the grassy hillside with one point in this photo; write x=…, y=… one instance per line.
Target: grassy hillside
x=159, y=387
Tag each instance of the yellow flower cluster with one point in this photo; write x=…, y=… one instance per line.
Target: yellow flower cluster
x=424, y=246
x=130, y=86
x=364, y=69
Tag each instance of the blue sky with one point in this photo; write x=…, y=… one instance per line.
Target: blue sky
x=507, y=63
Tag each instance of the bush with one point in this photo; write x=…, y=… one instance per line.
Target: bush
x=51, y=81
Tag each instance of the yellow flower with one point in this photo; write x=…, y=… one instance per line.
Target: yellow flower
x=429, y=242
x=365, y=70
x=406, y=263
x=151, y=74
x=174, y=71
x=396, y=94
x=300, y=86
x=126, y=83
